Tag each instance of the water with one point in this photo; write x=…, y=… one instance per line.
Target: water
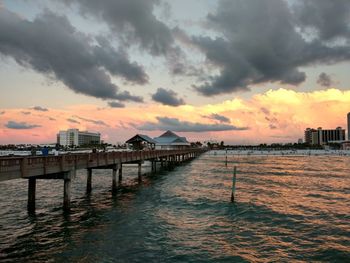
x=288, y=208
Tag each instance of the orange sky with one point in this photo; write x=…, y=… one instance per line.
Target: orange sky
x=274, y=116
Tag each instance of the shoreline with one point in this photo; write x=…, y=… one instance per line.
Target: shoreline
x=280, y=152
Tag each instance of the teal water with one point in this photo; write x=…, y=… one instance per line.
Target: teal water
x=287, y=209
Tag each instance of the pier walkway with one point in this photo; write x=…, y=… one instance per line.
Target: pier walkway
x=65, y=166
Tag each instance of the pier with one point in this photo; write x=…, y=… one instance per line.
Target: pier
x=64, y=167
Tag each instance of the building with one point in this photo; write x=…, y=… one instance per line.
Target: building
x=308, y=135
x=349, y=126
x=170, y=141
x=321, y=137
x=74, y=137
x=141, y=142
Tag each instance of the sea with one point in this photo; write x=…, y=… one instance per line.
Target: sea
x=287, y=208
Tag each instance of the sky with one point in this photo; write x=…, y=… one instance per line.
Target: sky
x=238, y=71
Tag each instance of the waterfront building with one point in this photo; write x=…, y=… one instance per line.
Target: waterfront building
x=74, y=137
x=171, y=141
x=321, y=136
x=308, y=135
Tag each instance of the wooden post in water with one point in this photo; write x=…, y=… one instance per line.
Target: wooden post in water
x=226, y=159
x=233, y=184
x=66, y=191
x=88, y=180
x=31, y=194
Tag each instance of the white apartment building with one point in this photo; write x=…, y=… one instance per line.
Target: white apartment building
x=74, y=137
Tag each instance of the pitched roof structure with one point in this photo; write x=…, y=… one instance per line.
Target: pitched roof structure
x=170, y=137
x=141, y=137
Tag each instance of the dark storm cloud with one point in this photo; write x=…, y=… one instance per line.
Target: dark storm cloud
x=218, y=117
x=116, y=104
x=73, y=121
x=328, y=19
x=52, y=46
x=174, y=124
x=20, y=125
x=96, y=122
x=167, y=97
x=39, y=108
x=324, y=80
x=259, y=41
x=118, y=63
x=132, y=20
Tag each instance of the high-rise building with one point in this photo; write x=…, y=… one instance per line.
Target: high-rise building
x=308, y=135
x=74, y=137
x=321, y=136
x=349, y=126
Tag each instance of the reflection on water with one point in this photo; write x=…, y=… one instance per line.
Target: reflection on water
x=287, y=208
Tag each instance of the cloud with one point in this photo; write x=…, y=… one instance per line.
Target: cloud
x=52, y=46
x=329, y=20
x=2, y=112
x=116, y=104
x=174, y=124
x=38, y=108
x=20, y=125
x=167, y=97
x=133, y=20
x=73, y=121
x=96, y=122
x=52, y=119
x=218, y=117
x=324, y=80
x=26, y=112
x=263, y=41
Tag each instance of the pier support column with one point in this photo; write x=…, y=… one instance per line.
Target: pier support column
x=139, y=171
x=88, y=180
x=120, y=176
x=114, y=178
x=31, y=194
x=66, y=191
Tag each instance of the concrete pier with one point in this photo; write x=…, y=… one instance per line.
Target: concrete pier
x=64, y=167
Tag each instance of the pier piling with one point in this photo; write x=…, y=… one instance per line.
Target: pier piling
x=114, y=178
x=31, y=194
x=67, y=191
x=120, y=176
x=88, y=180
x=139, y=171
